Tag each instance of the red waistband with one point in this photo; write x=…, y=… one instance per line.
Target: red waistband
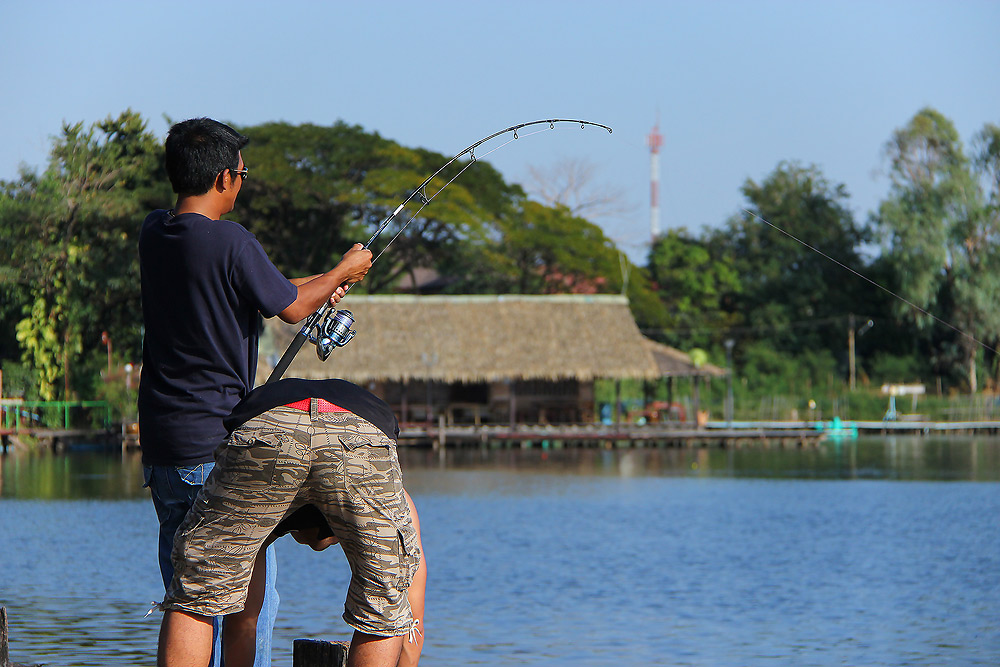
x=324, y=405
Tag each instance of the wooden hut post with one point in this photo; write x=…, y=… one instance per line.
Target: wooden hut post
x=696, y=385
x=403, y=404
x=430, y=410
x=618, y=401
x=512, y=404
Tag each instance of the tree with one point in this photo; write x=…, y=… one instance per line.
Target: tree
x=69, y=237
x=571, y=183
x=317, y=189
x=554, y=252
x=797, y=296
x=697, y=289
x=940, y=235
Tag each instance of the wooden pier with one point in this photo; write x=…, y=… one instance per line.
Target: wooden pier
x=596, y=435
x=712, y=433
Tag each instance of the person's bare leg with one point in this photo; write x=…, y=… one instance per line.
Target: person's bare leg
x=239, y=630
x=414, y=643
x=373, y=650
x=185, y=640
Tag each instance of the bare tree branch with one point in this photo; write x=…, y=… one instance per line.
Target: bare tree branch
x=570, y=182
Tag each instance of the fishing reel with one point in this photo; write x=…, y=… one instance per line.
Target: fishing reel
x=332, y=331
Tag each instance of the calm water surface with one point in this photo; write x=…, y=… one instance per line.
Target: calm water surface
x=876, y=552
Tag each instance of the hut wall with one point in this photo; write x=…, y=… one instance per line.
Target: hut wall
x=541, y=401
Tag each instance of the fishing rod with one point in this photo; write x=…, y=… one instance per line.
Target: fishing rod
x=328, y=328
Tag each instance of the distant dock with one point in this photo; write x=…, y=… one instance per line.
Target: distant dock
x=712, y=433
x=596, y=435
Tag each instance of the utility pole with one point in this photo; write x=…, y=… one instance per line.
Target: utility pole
x=729, y=380
x=851, y=379
x=852, y=370
x=106, y=339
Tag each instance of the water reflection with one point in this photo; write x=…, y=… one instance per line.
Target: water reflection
x=99, y=474
x=913, y=458
x=86, y=473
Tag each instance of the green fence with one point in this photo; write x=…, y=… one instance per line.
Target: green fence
x=25, y=415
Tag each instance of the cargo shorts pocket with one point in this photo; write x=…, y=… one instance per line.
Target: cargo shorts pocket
x=410, y=556
x=247, y=460
x=371, y=474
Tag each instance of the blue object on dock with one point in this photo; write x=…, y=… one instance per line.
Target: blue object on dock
x=835, y=428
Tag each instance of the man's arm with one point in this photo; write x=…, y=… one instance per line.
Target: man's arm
x=315, y=290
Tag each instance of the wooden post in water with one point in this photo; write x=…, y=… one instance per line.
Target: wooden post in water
x=317, y=653
x=4, y=651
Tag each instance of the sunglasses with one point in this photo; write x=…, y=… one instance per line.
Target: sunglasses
x=242, y=173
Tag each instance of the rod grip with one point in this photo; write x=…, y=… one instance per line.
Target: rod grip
x=286, y=358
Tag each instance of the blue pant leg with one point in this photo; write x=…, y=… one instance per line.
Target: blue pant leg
x=174, y=491
x=268, y=612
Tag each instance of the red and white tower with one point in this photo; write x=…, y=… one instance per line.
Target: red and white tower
x=655, y=140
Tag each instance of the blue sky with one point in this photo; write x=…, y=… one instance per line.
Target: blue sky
x=738, y=86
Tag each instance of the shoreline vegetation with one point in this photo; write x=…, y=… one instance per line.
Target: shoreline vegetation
x=804, y=339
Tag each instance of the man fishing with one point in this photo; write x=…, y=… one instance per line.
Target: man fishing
x=205, y=284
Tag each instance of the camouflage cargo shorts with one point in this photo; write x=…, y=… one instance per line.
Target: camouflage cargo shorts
x=269, y=467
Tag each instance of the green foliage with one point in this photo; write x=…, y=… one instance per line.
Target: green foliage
x=769, y=371
x=698, y=289
x=785, y=284
x=69, y=236
x=119, y=390
x=943, y=237
x=553, y=252
x=19, y=381
x=316, y=190
x=894, y=369
x=69, y=268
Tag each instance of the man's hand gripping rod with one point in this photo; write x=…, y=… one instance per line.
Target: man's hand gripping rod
x=328, y=327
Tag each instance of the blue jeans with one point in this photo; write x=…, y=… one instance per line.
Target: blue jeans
x=174, y=490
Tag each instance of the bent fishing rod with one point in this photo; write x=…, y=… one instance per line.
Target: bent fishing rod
x=329, y=328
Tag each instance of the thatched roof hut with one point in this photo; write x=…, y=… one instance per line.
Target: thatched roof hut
x=671, y=362
x=468, y=339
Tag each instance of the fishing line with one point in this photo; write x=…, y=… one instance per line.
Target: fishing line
x=472, y=160
x=426, y=200
x=869, y=280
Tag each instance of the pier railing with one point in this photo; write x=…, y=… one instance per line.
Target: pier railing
x=21, y=416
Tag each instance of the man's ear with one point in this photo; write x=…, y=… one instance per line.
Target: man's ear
x=223, y=181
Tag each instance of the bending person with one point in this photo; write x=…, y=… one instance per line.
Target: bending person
x=326, y=443
x=307, y=526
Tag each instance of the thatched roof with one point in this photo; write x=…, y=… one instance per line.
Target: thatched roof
x=477, y=339
x=671, y=362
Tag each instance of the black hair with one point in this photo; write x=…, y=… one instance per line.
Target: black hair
x=197, y=150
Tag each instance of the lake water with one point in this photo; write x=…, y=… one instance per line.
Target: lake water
x=869, y=552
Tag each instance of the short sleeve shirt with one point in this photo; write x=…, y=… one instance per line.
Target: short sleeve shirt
x=205, y=284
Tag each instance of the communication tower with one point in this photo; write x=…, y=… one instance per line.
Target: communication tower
x=654, y=140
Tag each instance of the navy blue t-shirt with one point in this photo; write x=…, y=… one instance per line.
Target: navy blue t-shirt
x=205, y=284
